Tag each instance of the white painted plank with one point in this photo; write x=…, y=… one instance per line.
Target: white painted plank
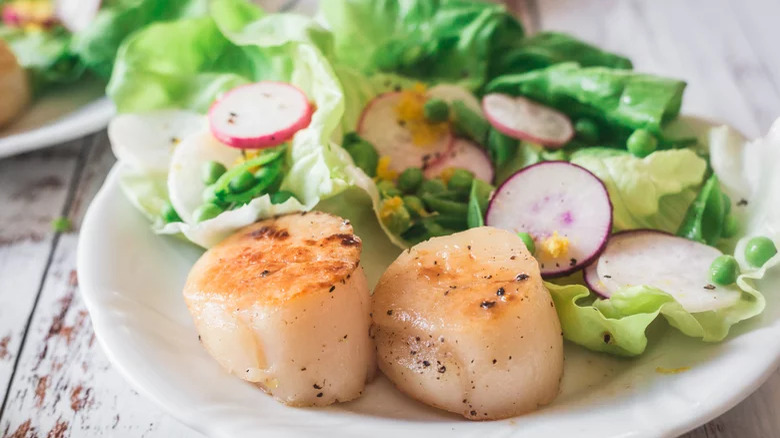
x=64, y=385
x=32, y=192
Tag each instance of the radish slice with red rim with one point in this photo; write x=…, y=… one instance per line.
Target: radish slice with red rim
x=380, y=126
x=464, y=155
x=560, y=205
x=527, y=120
x=76, y=15
x=677, y=266
x=591, y=277
x=259, y=115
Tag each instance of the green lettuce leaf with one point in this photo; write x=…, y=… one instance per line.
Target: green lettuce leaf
x=453, y=41
x=187, y=63
x=45, y=54
x=617, y=325
x=706, y=217
x=651, y=192
x=97, y=45
x=621, y=100
x=547, y=48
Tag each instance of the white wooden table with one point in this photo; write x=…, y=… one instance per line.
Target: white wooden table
x=55, y=381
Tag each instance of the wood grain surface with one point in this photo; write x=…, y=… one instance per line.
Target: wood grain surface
x=55, y=381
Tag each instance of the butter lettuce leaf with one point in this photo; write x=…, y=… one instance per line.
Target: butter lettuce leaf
x=621, y=100
x=651, y=192
x=187, y=63
x=454, y=41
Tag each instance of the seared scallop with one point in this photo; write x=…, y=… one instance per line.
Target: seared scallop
x=464, y=323
x=14, y=87
x=284, y=304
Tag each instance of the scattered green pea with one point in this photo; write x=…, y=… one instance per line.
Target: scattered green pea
x=759, y=250
x=397, y=220
x=587, y=130
x=242, y=182
x=460, y=181
x=730, y=227
x=528, y=240
x=470, y=123
x=207, y=211
x=211, y=171
x=364, y=155
x=387, y=189
x=281, y=197
x=431, y=186
x=415, y=206
x=642, y=143
x=168, y=213
x=410, y=179
x=724, y=270
x=436, y=110
x=61, y=224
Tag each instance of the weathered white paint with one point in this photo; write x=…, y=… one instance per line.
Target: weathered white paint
x=726, y=50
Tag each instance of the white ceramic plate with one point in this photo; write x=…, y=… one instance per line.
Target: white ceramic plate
x=60, y=116
x=131, y=281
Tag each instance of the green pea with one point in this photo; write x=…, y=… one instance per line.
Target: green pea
x=387, y=189
x=724, y=270
x=731, y=227
x=281, y=197
x=211, y=171
x=364, y=155
x=528, y=240
x=398, y=220
x=351, y=137
x=759, y=250
x=415, y=206
x=207, y=211
x=168, y=213
x=431, y=186
x=242, y=182
x=436, y=110
x=410, y=179
x=460, y=181
x=587, y=130
x=445, y=206
x=642, y=143
x=470, y=123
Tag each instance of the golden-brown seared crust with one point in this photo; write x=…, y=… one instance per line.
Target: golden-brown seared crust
x=14, y=86
x=277, y=260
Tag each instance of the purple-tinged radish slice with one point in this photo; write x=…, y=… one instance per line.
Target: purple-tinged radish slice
x=677, y=266
x=565, y=208
x=76, y=15
x=259, y=115
x=451, y=93
x=527, y=120
x=591, y=276
x=464, y=155
x=380, y=124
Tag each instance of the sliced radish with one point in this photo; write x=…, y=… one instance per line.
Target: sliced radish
x=380, y=126
x=259, y=115
x=451, y=93
x=555, y=197
x=677, y=266
x=464, y=155
x=524, y=119
x=185, y=181
x=591, y=276
x=76, y=15
x=146, y=141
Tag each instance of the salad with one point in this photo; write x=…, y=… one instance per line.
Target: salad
x=59, y=42
x=450, y=117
